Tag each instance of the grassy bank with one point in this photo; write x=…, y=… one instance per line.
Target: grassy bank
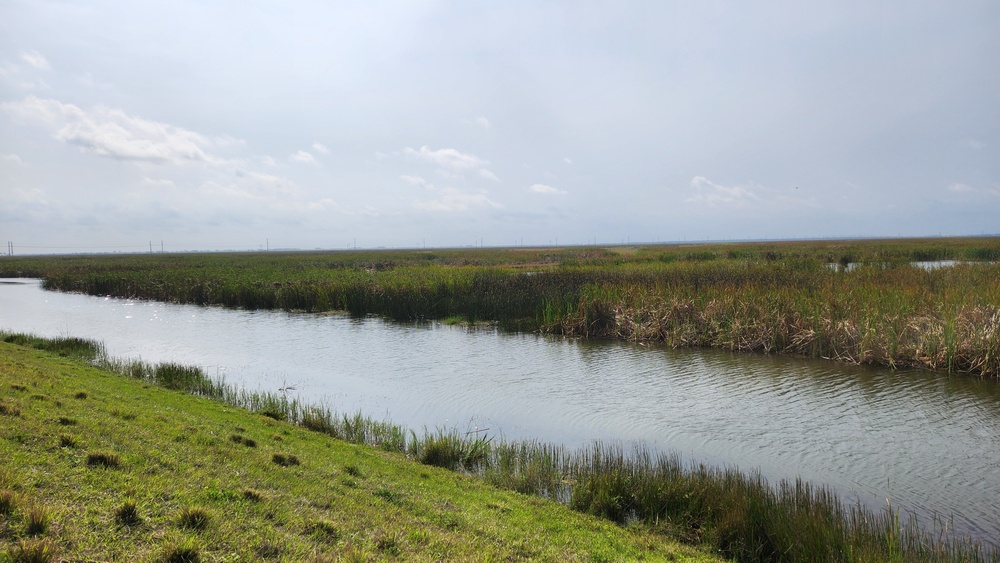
x=211, y=457
x=791, y=298
x=97, y=466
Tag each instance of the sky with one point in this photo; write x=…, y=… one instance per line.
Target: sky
x=247, y=125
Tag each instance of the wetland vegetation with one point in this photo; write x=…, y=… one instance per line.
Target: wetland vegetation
x=866, y=302
x=172, y=473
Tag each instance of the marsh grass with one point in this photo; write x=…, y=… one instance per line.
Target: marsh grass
x=449, y=449
x=761, y=297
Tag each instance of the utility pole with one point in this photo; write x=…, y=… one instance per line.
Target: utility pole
x=161, y=246
x=150, y=247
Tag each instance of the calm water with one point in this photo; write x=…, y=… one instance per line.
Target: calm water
x=930, y=443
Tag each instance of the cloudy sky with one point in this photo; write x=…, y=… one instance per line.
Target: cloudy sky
x=405, y=124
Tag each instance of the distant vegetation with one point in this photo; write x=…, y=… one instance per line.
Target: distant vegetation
x=866, y=302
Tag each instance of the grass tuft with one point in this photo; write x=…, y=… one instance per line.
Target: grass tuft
x=80, y=395
x=323, y=530
x=253, y=495
x=194, y=518
x=8, y=502
x=185, y=552
x=36, y=522
x=9, y=410
x=65, y=421
x=389, y=544
x=248, y=442
x=32, y=551
x=285, y=460
x=128, y=513
x=103, y=459
x=67, y=441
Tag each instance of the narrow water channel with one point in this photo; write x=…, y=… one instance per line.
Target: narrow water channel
x=928, y=442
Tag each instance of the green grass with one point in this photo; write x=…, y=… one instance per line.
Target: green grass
x=183, y=490
x=760, y=297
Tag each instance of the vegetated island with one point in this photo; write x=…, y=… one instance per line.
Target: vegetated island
x=120, y=460
x=878, y=302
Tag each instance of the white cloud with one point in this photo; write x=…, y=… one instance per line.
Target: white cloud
x=974, y=144
x=417, y=181
x=453, y=200
x=567, y=160
x=320, y=148
x=484, y=173
x=452, y=162
x=12, y=158
x=547, y=190
x=712, y=193
x=112, y=133
x=959, y=188
x=35, y=59
x=303, y=156
x=446, y=158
